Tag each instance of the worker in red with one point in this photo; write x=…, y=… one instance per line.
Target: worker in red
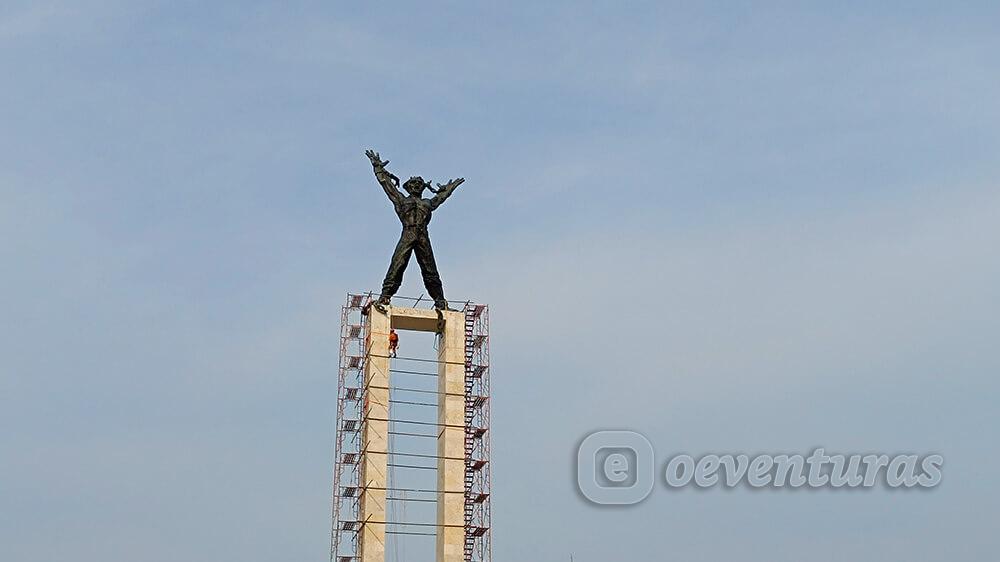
x=393, y=342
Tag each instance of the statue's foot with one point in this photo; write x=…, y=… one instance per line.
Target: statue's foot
x=384, y=300
x=441, y=305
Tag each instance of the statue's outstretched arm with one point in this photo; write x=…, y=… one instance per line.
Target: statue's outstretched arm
x=445, y=191
x=389, y=182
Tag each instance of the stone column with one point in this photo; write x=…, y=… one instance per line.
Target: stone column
x=375, y=440
x=451, y=440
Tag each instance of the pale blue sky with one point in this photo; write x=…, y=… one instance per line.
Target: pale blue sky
x=733, y=226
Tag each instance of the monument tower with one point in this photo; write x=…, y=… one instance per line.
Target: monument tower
x=368, y=387
x=370, y=399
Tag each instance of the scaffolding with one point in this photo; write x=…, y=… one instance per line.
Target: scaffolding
x=348, y=487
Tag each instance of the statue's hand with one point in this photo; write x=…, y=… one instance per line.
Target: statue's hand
x=452, y=184
x=376, y=160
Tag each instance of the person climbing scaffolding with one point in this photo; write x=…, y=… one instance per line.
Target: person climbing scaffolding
x=393, y=342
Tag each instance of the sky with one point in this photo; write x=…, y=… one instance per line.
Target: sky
x=730, y=226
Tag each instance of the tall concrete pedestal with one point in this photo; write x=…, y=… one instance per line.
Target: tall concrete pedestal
x=450, y=431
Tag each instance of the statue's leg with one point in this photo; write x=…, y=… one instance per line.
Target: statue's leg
x=432, y=281
x=400, y=257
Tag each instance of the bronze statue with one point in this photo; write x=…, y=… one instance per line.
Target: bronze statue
x=415, y=213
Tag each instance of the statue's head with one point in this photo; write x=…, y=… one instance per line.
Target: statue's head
x=415, y=186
